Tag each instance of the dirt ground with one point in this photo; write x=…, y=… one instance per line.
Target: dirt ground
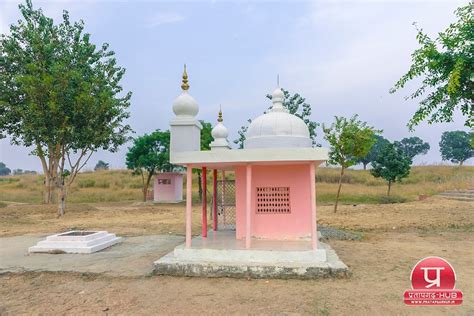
x=395, y=237
x=380, y=265
x=134, y=219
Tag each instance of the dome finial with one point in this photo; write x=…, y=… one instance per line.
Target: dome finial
x=219, y=118
x=185, y=85
x=278, y=80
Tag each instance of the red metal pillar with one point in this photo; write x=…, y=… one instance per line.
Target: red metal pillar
x=204, y=202
x=214, y=200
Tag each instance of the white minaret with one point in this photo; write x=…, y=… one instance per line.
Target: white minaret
x=220, y=133
x=185, y=128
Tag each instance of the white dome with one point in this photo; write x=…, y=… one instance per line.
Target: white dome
x=219, y=131
x=184, y=106
x=277, y=128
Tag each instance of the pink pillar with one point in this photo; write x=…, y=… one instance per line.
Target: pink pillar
x=248, y=205
x=312, y=179
x=189, y=204
x=214, y=200
x=204, y=202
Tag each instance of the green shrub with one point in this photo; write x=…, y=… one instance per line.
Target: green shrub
x=8, y=180
x=391, y=199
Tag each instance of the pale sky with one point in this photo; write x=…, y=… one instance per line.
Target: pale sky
x=342, y=56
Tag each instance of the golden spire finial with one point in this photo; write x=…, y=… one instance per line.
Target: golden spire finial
x=185, y=85
x=219, y=118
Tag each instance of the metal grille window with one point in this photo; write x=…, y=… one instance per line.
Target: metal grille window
x=273, y=200
x=164, y=181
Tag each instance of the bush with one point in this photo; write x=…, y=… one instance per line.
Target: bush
x=391, y=199
x=86, y=183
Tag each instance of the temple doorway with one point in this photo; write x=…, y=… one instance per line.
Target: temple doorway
x=226, y=205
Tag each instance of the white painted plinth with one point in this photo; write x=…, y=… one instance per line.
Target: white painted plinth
x=69, y=243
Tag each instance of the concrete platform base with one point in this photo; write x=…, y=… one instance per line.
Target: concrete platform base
x=76, y=242
x=220, y=255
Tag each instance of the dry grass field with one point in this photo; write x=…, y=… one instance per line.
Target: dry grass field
x=393, y=238
x=359, y=186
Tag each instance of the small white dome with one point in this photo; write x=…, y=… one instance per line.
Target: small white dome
x=277, y=128
x=278, y=95
x=219, y=131
x=185, y=106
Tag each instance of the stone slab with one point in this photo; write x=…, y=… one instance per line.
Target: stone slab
x=263, y=267
x=69, y=243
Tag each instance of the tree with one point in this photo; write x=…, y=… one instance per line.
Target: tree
x=412, y=146
x=350, y=140
x=380, y=141
x=149, y=154
x=241, y=132
x=391, y=164
x=4, y=171
x=296, y=105
x=101, y=165
x=445, y=64
x=60, y=94
x=456, y=146
x=206, y=139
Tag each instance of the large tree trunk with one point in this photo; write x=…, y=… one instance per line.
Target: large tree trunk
x=62, y=193
x=49, y=181
x=389, y=186
x=461, y=163
x=147, y=185
x=365, y=165
x=339, y=189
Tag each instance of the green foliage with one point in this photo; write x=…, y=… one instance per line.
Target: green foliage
x=17, y=172
x=380, y=142
x=350, y=140
x=149, y=154
x=456, y=147
x=241, y=132
x=412, y=146
x=206, y=136
x=296, y=105
x=60, y=94
x=446, y=65
x=391, y=164
x=4, y=171
x=101, y=165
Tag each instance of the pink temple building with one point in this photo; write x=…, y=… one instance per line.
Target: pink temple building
x=273, y=214
x=168, y=187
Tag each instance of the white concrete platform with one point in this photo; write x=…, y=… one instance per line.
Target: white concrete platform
x=76, y=242
x=221, y=255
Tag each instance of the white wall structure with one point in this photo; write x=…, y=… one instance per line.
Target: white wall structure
x=277, y=128
x=185, y=129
